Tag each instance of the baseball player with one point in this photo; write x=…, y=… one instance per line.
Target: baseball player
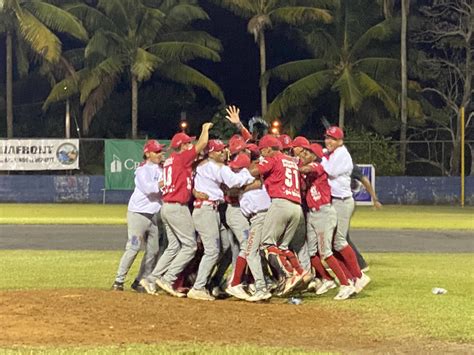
x=338, y=166
x=322, y=218
x=254, y=204
x=143, y=215
x=177, y=190
x=282, y=181
x=210, y=174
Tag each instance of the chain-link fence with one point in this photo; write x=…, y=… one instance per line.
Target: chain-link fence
x=424, y=158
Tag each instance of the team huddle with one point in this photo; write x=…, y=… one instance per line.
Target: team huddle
x=276, y=213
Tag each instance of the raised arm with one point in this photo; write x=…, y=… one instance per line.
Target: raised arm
x=233, y=115
x=203, y=138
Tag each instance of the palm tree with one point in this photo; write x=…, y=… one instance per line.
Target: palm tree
x=136, y=39
x=344, y=62
x=30, y=23
x=262, y=14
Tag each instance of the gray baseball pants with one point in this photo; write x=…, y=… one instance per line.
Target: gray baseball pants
x=323, y=223
x=239, y=225
x=281, y=223
x=141, y=228
x=182, y=243
x=344, y=209
x=252, y=251
x=299, y=244
x=208, y=223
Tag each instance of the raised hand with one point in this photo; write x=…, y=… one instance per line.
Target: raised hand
x=233, y=114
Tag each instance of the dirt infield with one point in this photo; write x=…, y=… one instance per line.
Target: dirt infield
x=93, y=317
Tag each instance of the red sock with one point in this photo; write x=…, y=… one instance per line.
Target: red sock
x=350, y=260
x=334, y=265
x=318, y=266
x=294, y=261
x=239, y=270
x=340, y=260
x=179, y=281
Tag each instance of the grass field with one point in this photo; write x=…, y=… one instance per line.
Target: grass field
x=397, y=305
x=390, y=217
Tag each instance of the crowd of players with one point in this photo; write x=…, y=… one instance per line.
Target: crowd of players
x=276, y=212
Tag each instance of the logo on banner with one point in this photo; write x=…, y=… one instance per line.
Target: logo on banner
x=116, y=165
x=67, y=153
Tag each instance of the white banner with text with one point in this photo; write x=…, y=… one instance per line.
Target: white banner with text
x=39, y=154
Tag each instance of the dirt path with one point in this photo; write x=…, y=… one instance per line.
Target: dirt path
x=92, y=317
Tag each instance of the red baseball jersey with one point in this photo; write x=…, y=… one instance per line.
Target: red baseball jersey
x=319, y=192
x=177, y=173
x=281, y=177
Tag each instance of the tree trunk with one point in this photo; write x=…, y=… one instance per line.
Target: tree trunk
x=9, y=84
x=342, y=112
x=388, y=8
x=404, y=98
x=456, y=156
x=134, y=106
x=263, y=68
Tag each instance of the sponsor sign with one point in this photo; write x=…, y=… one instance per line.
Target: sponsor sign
x=361, y=196
x=39, y=154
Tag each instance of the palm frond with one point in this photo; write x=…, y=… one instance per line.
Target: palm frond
x=92, y=18
x=57, y=19
x=381, y=31
x=181, y=15
x=369, y=87
x=182, y=51
x=21, y=56
x=322, y=44
x=144, y=64
x=243, y=8
x=89, y=83
x=97, y=98
x=103, y=44
x=62, y=90
x=295, y=70
x=198, y=37
x=379, y=68
x=300, y=92
x=186, y=75
x=115, y=10
x=348, y=90
x=40, y=38
x=75, y=57
x=296, y=15
x=150, y=24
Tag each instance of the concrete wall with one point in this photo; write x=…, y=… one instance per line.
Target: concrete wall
x=80, y=188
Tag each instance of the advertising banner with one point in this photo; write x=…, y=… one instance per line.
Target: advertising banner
x=361, y=196
x=39, y=154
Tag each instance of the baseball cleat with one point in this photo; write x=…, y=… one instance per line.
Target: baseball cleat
x=361, y=282
x=326, y=286
x=314, y=285
x=291, y=283
x=202, y=295
x=149, y=287
x=367, y=268
x=237, y=291
x=260, y=295
x=166, y=286
x=117, y=286
x=251, y=289
x=345, y=291
x=137, y=287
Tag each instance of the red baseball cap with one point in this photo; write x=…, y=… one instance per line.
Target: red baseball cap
x=236, y=144
x=215, y=145
x=334, y=132
x=317, y=149
x=241, y=161
x=253, y=148
x=180, y=138
x=153, y=145
x=285, y=141
x=302, y=142
x=268, y=141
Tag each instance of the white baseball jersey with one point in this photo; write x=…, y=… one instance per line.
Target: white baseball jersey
x=146, y=197
x=339, y=169
x=254, y=201
x=210, y=175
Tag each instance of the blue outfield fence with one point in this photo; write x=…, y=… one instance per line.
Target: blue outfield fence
x=90, y=189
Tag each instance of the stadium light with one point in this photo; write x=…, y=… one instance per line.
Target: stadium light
x=275, y=127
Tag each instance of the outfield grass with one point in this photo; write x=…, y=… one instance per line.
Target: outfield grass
x=390, y=217
x=398, y=303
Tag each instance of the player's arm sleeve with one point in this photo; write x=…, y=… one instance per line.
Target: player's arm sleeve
x=338, y=164
x=315, y=168
x=244, y=132
x=265, y=166
x=145, y=182
x=232, y=179
x=189, y=156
